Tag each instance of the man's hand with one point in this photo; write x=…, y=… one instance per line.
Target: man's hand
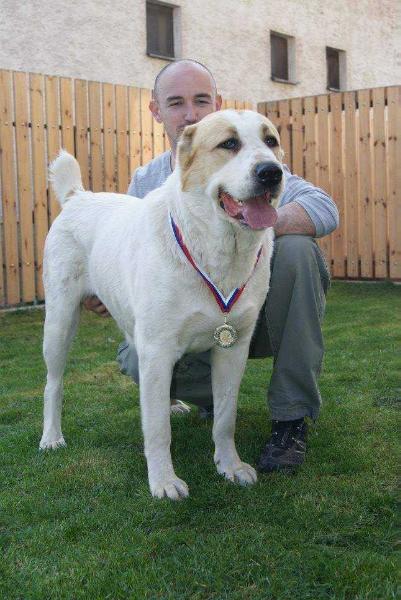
x=94, y=304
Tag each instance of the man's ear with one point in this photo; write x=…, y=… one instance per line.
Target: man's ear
x=219, y=101
x=155, y=110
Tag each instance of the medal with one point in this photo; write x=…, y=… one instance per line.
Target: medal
x=225, y=335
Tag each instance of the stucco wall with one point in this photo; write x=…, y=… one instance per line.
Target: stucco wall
x=106, y=41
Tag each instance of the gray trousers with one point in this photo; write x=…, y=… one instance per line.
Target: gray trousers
x=288, y=328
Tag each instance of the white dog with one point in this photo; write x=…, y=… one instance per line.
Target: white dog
x=170, y=269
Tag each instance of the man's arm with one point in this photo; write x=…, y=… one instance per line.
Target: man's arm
x=292, y=218
x=305, y=209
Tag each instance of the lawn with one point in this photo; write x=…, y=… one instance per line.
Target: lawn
x=80, y=522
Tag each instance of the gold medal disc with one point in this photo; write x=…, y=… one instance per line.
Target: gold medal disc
x=225, y=336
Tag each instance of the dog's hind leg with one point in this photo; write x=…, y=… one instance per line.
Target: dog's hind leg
x=63, y=296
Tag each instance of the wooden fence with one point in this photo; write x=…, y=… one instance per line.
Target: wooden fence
x=349, y=144
x=110, y=130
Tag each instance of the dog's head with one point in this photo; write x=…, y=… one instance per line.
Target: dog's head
x=234, y=159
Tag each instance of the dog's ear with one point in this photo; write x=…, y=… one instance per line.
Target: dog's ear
x=185, y=148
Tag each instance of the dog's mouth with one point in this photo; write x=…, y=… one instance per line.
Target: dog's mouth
x=256, y=212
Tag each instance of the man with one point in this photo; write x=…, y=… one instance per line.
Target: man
x=289, y=325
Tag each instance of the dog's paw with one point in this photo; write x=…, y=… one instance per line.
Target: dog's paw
x=241, y=473
x=46, y=443
x=178, y=407
x=173, y=488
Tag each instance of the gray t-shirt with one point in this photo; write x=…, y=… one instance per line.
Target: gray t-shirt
x=319, y=206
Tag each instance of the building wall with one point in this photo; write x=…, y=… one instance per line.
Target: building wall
x=105, y=40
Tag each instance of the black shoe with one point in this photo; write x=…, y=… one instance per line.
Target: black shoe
x=206, y=412
x=285, y=451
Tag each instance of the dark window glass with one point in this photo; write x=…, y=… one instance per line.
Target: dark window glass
x=279, y=56
x=333, y=68
x=159, y=29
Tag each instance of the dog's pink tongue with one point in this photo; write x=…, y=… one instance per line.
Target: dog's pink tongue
x=258, y=214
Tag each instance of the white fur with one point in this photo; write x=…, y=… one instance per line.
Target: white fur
x=122, y=249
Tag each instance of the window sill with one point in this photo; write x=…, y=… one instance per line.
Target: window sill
x=161, y=56
x=287, y=81
x=332, y=89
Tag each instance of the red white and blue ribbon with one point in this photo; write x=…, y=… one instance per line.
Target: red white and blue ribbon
x=225, y=304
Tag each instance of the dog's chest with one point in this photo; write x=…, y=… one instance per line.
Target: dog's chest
x=197, y=327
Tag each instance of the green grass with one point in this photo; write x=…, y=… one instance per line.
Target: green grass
x=80, y=522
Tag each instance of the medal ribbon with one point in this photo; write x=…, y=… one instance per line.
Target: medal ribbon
x=225, y=304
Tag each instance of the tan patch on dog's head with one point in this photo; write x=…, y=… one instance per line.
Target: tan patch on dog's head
x=269, y=129
x=199, y=154
x=196, y=150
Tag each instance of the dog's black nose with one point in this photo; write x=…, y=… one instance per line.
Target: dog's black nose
x=268, y=173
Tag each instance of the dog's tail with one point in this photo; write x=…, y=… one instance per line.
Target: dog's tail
x=65, y=176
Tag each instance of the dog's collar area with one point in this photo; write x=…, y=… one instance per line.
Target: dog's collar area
x=225, y=303
x=225, y=335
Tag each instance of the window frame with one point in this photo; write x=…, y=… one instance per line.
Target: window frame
x=291, y=58
x=176, y=31
x=341, y=69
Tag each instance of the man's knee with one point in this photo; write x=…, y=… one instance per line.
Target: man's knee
x=294, y=248
x=298, y=254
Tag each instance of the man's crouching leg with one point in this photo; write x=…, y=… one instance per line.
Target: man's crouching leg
x=294, y=312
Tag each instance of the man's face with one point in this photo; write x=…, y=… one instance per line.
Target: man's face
x=186, y=94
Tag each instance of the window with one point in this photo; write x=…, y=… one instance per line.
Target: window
x=335, y=60
x=282, y=49
x=160, y=30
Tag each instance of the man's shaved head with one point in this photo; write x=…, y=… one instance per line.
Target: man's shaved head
x=184, y=93
x=172, y=65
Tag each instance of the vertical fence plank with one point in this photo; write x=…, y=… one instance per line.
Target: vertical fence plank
x=95, y=136
x=351, y=185
x=147, y=127
x=8, y=194
x=271, y=112
x=365, y=185
x=122, y=138
x=230, y=104
x=23, y=156
x=67, y=115
x=285, y=138
x=323, y=174
x=379, y=189
x=261, y=108
x=310, y=139
x=394, y=187
x=109, y=138
x=81, y=129
x=134, y=114
x=297, y=137
x=37, y=93
x=337, y=184
x=53, y=135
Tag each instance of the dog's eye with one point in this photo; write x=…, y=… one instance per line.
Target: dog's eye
x=271, y=141
x=230, y=144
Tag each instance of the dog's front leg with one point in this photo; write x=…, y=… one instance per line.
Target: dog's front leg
x=228, y=365
x=155, y=371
